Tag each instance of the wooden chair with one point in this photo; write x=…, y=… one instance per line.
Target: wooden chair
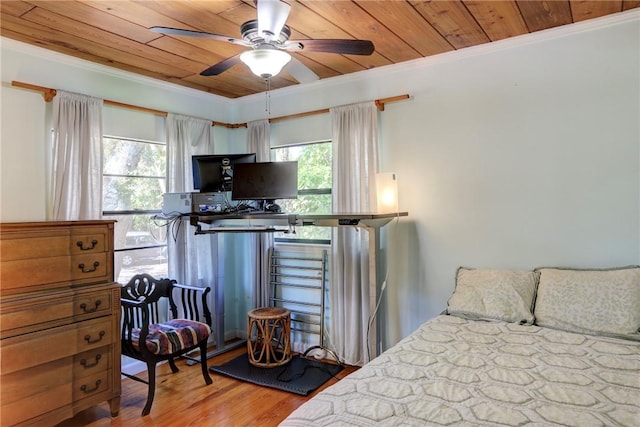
x=147, y=336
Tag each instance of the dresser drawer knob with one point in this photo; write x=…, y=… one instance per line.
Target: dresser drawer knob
x=82, y=247
x=88, y=270
x=87, y=365
x=84, y=308
x=87, y=390
x=88, y=339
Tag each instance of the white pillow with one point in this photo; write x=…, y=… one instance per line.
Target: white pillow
x=590, y=301
x=505, y=295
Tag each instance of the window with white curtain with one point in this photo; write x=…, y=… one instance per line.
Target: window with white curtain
x=314, y=187
x=133, y=182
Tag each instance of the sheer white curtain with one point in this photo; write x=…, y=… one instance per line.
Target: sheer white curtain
x=354, y=133
x=259, y=142
x=192, y=259
x=76, y=161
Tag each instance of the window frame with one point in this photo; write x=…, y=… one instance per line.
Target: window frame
x=133, y=212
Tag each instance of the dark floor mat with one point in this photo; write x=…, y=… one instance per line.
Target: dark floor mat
x=299, y=376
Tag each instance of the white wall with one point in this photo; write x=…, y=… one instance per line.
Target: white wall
x=517, y=154
x=22, y=156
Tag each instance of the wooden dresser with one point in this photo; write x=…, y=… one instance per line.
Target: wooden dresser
x=59, y=321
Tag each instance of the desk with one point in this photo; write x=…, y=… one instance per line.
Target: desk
x=277, y=222
x=269, y=222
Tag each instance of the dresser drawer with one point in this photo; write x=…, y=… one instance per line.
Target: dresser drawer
x=43, y=243
x=89, y=267
x=20, y=275
x=37, y=390
x=90, y=303
x=87, y=387
x=22, y=314
x=89, y=240
x=25, y=351
x=92, y=362
x=20, y=246
x=34, y=391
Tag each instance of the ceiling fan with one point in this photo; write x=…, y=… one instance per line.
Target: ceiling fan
x=268, y=38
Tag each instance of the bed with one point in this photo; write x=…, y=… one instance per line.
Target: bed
x=544, y=347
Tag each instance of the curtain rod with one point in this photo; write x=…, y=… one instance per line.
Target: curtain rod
x=49, y=94
x=379, y=104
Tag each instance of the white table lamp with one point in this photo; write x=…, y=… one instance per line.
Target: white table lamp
x=387, y=192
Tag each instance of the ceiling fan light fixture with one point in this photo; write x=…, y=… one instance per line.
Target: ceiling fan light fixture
x=265, y=62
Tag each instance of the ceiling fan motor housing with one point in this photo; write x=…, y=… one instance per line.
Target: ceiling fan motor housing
x=250, y=34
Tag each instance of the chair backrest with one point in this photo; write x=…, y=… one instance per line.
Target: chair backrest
x=190, y=302
x=144, y=288
x=183, y=301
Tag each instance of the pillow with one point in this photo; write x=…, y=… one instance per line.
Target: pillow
x=494, y=295
x=603, y=302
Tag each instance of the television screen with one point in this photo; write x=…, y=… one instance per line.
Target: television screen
x=265, y=181
x=214, y=172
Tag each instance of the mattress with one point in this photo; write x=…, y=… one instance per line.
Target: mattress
x=454, y=371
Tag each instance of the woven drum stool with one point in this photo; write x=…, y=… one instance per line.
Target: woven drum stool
x=269, y=336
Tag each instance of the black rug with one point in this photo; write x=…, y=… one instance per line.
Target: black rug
x=299, y=376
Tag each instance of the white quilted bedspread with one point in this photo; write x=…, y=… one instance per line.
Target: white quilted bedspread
x=453, y=371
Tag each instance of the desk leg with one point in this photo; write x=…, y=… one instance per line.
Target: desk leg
x=221, y=347
x=374, y=248
x=219, y=305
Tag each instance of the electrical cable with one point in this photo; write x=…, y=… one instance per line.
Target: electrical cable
x=172, y=222
x=372, y=317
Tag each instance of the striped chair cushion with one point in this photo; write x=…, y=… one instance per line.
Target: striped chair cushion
x=173, y=335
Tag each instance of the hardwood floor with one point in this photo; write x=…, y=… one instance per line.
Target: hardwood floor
x=183, y=399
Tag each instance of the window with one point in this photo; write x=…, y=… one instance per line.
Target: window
x=133, y=182
x=314, y=186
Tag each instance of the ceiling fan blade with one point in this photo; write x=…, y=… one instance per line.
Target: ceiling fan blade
x=272, y=15
x=221, y=66
x=341, y=46
x=301, y=72
x=193, y=33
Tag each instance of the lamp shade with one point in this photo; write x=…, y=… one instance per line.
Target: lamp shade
x=387, y=192
x=265, y=62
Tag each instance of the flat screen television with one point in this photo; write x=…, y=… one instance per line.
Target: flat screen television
x=215, y=172
x=266, y=181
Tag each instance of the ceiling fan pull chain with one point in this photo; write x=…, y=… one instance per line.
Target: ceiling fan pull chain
x=267, y=107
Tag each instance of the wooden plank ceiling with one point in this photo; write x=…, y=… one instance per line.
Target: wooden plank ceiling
x=116, y=33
